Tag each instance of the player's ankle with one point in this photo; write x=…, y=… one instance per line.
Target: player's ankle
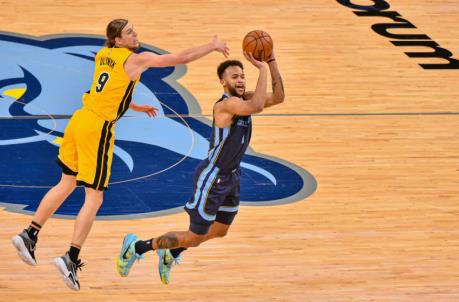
x=143, y=246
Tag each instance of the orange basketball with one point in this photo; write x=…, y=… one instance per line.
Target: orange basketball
x=259, y=43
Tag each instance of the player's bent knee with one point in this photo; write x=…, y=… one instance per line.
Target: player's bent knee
x=223, y=233
x=68, y=183
x=94, y=196
x=99, y=200
x=194, y=240
x=220, y=229
x=194, y=243
x=67, y=186
x=94, y=202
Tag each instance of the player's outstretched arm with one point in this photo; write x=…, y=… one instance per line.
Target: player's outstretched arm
x=138, y=63
x=149, y=59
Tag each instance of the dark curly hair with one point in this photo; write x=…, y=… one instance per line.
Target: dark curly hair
x=222, y=67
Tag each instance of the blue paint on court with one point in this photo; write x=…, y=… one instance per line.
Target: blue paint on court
x=154, y=159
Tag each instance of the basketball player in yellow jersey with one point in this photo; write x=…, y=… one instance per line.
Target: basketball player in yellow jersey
x=86, y=152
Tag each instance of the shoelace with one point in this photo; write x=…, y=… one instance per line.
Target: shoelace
x=136, y=256
x=79, y=265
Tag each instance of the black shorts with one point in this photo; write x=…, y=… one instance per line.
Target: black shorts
x=215, y=197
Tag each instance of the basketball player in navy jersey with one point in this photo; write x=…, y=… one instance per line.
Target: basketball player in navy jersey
x=215, y=199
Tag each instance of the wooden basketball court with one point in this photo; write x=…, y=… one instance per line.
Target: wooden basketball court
x=377, y=131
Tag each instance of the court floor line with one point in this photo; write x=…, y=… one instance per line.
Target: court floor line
x=260, y=115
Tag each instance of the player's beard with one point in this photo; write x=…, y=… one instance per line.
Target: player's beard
x=234, y=92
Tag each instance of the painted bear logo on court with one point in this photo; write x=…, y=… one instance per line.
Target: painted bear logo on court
x=41, y=84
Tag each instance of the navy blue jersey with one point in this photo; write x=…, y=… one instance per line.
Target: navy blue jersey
x=228, y=145
x=216, y=192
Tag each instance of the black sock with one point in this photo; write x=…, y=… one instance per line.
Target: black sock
x=176, y=252
x=33, y=230
x=142, y=247
x=73, y=253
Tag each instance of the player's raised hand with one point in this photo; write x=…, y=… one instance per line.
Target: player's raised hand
x=220, y=46
x=251, y=59
x=149, y=110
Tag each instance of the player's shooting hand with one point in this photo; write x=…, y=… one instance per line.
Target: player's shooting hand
x=251, y=59
x=149, y=110
x=220, y=46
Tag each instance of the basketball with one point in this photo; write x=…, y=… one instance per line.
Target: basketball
x=259, y=43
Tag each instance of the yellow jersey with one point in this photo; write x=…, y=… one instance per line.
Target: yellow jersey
x=111, y=89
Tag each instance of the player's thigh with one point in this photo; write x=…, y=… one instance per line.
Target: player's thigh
x=68, y=154
x=94, y=138
x=228, y=210
x=203, y=206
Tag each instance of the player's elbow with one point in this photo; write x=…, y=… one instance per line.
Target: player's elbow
x=183, y=59
x=279, y=97
x=222, y=233
x=256, y=106
x=259, y=108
